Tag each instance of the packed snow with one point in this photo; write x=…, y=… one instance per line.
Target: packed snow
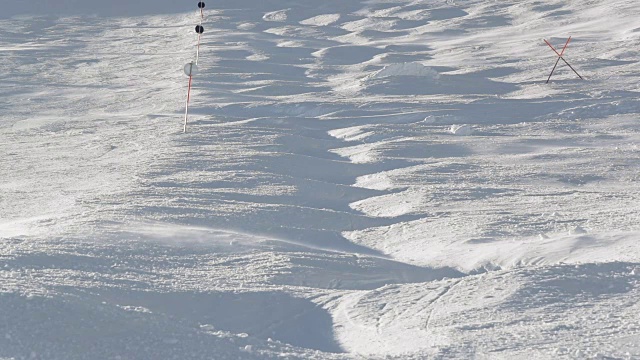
x=367, y=179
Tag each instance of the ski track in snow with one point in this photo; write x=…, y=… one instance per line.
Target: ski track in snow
x=365, y=179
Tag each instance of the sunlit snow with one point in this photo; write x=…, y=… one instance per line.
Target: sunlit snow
x=379, y=179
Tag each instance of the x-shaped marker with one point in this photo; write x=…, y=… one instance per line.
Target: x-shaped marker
x=561, y=58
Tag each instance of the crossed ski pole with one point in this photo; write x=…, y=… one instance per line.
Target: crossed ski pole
x=561, y=58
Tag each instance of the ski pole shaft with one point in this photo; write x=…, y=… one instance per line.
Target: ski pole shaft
x=565, y=46
x=552, y=70
x=574, y=70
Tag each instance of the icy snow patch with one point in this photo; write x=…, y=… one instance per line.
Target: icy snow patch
x=406, y=69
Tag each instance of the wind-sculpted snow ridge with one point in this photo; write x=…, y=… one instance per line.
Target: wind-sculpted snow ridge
x=361, y=179
x=547, y=312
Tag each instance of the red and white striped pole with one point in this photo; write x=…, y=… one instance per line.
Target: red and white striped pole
x=191, y=68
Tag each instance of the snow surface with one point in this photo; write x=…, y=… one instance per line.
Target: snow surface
x=322, y=204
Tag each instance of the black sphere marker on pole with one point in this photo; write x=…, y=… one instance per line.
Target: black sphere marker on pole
x=201, y=7
x=191, y=68
x=199, y=29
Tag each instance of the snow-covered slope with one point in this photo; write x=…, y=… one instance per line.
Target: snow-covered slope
x=360, y=179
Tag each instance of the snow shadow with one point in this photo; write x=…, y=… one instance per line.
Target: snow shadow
x=465, y=84
x=71, y=327
x=263, y=315
x=148, y=325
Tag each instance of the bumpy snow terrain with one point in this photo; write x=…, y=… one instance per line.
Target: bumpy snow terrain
x=360, y=179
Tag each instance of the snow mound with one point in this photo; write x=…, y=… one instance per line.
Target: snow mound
x=406, y=69
x=321, y=20
x=276, y=16
x=578, y=230
x=462, y=130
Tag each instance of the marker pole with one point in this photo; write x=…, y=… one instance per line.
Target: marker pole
x=189, y=69
x=198, y=46
x=186, y=109
x=201, y=6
